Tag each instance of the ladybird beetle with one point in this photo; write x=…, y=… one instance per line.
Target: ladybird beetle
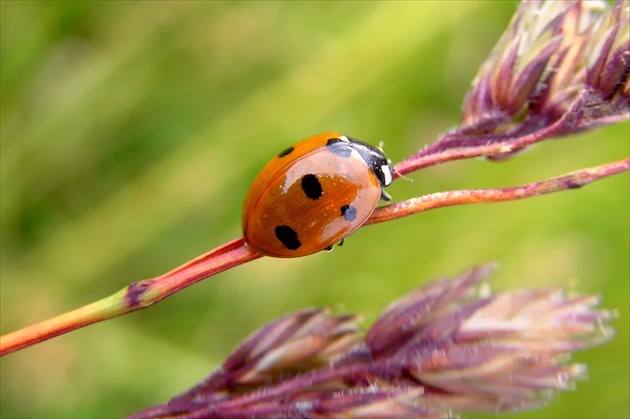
x=313, y=194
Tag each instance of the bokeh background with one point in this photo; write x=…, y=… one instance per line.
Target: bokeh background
x=131, y=132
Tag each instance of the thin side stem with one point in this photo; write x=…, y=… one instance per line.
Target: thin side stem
x=421, y=159
x=437, y=154
x=133, y=297
x=478, y=196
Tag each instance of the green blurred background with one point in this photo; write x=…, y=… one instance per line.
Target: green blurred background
x=131, y=132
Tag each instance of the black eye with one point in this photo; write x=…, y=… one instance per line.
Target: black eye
x=384, y=172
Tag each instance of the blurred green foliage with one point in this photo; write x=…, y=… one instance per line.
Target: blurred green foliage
x=131, y=131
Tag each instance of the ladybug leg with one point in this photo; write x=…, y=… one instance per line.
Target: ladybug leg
x=330, y=248
x=385, y=196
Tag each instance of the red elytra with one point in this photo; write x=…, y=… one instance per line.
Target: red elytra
x=314, y=194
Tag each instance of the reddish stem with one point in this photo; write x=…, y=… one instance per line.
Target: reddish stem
x=133, y=297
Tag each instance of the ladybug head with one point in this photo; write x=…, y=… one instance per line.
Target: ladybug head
x=384, y=171
x=377, y=160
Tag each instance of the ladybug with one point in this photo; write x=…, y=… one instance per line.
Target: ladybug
x=313, y=194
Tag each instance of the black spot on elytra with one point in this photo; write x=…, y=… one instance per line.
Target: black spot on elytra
x=286, y=152
x=349, y=212
x=311, y=186
x=288, y=237
x=339, y=147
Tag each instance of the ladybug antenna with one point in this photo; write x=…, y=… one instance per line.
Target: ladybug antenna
x=395, y=172
x=400, y=175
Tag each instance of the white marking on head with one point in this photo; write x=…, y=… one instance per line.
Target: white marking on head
x=344, y=138
x=387, y=174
